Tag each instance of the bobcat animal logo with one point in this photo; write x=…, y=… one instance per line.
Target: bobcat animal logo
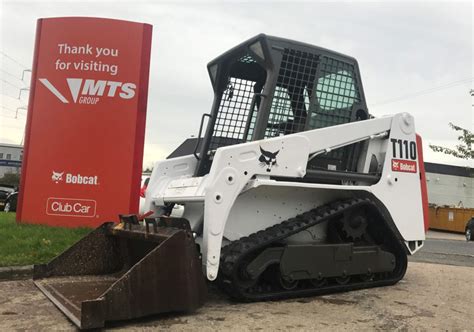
x=268, y=159
x=395, y=164
x=56, y=177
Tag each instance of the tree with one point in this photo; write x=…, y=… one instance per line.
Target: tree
x=462, y=150
x=11, y=179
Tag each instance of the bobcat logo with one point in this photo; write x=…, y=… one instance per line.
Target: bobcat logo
x=268, y=159
x=56, y=177
x=395, y=164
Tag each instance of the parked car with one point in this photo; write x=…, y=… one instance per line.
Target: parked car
x=5, y=190
x=469, y=231
x=10, y=202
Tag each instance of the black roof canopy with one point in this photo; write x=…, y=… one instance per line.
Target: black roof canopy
x=262, y=48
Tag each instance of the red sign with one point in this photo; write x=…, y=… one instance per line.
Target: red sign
x=406, y=166
x=86, y=121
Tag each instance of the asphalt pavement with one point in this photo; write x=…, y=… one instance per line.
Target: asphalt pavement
x=443, y=251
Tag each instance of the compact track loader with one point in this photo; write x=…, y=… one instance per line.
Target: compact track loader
x=293, y=190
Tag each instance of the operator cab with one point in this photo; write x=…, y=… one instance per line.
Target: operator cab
x=269, y=86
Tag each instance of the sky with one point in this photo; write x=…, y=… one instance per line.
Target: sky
x=414, y=57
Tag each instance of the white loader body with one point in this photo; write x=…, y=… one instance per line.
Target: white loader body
x=239, y=197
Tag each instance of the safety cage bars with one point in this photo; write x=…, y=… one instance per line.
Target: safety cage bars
x=236, y=117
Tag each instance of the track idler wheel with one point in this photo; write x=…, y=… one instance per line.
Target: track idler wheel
x=343, y=280
x=318, y=282
x=279, y=280
x=369, y=276
x=287, y=284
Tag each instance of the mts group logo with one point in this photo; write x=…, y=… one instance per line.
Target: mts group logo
x=73, y=207
x=75, y=178
x=89, y=91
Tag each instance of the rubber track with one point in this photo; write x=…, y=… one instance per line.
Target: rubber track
x=233, y=254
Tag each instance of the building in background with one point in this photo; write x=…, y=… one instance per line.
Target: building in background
x=450, y=185
x=450, y=194
x=11, y=156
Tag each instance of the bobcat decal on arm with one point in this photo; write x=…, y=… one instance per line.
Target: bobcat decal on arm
x=268, y=159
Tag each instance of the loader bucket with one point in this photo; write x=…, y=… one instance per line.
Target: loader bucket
x=117, y=274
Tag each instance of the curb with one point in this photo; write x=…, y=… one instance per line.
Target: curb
x=444, y=235
x=16, y=272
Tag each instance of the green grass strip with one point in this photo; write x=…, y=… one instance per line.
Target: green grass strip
x=23, y=244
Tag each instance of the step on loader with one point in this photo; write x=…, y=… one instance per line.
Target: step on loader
x=294, y=189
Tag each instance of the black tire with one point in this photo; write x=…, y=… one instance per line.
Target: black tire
x=469, y=235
